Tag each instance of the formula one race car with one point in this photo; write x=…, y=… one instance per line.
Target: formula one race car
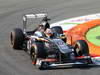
x=47, y=46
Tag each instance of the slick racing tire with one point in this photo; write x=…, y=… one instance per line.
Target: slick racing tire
x=37, y=51
x=16, y=38
x=57, y=29
x=81, y=48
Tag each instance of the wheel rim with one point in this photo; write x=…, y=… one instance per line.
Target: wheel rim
x=77, y=50
x=33, y=55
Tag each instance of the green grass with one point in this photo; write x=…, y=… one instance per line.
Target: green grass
x=71, y=23
x=93, y=35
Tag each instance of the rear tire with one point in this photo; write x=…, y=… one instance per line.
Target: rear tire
x=81, y=48
x=17, y=38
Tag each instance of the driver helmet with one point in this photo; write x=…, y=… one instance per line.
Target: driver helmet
x=38, y=34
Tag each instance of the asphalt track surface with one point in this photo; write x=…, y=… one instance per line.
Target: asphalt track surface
x=13, y=62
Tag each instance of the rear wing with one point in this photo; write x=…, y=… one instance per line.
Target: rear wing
x=30, y=16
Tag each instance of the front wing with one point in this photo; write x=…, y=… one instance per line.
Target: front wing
x=45, y=64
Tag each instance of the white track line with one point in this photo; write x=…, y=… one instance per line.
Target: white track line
x=69, y=23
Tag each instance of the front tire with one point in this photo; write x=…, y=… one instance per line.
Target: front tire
x=37, y=51
x=81, y=48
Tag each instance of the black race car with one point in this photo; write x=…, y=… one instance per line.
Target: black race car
x=52, y=51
